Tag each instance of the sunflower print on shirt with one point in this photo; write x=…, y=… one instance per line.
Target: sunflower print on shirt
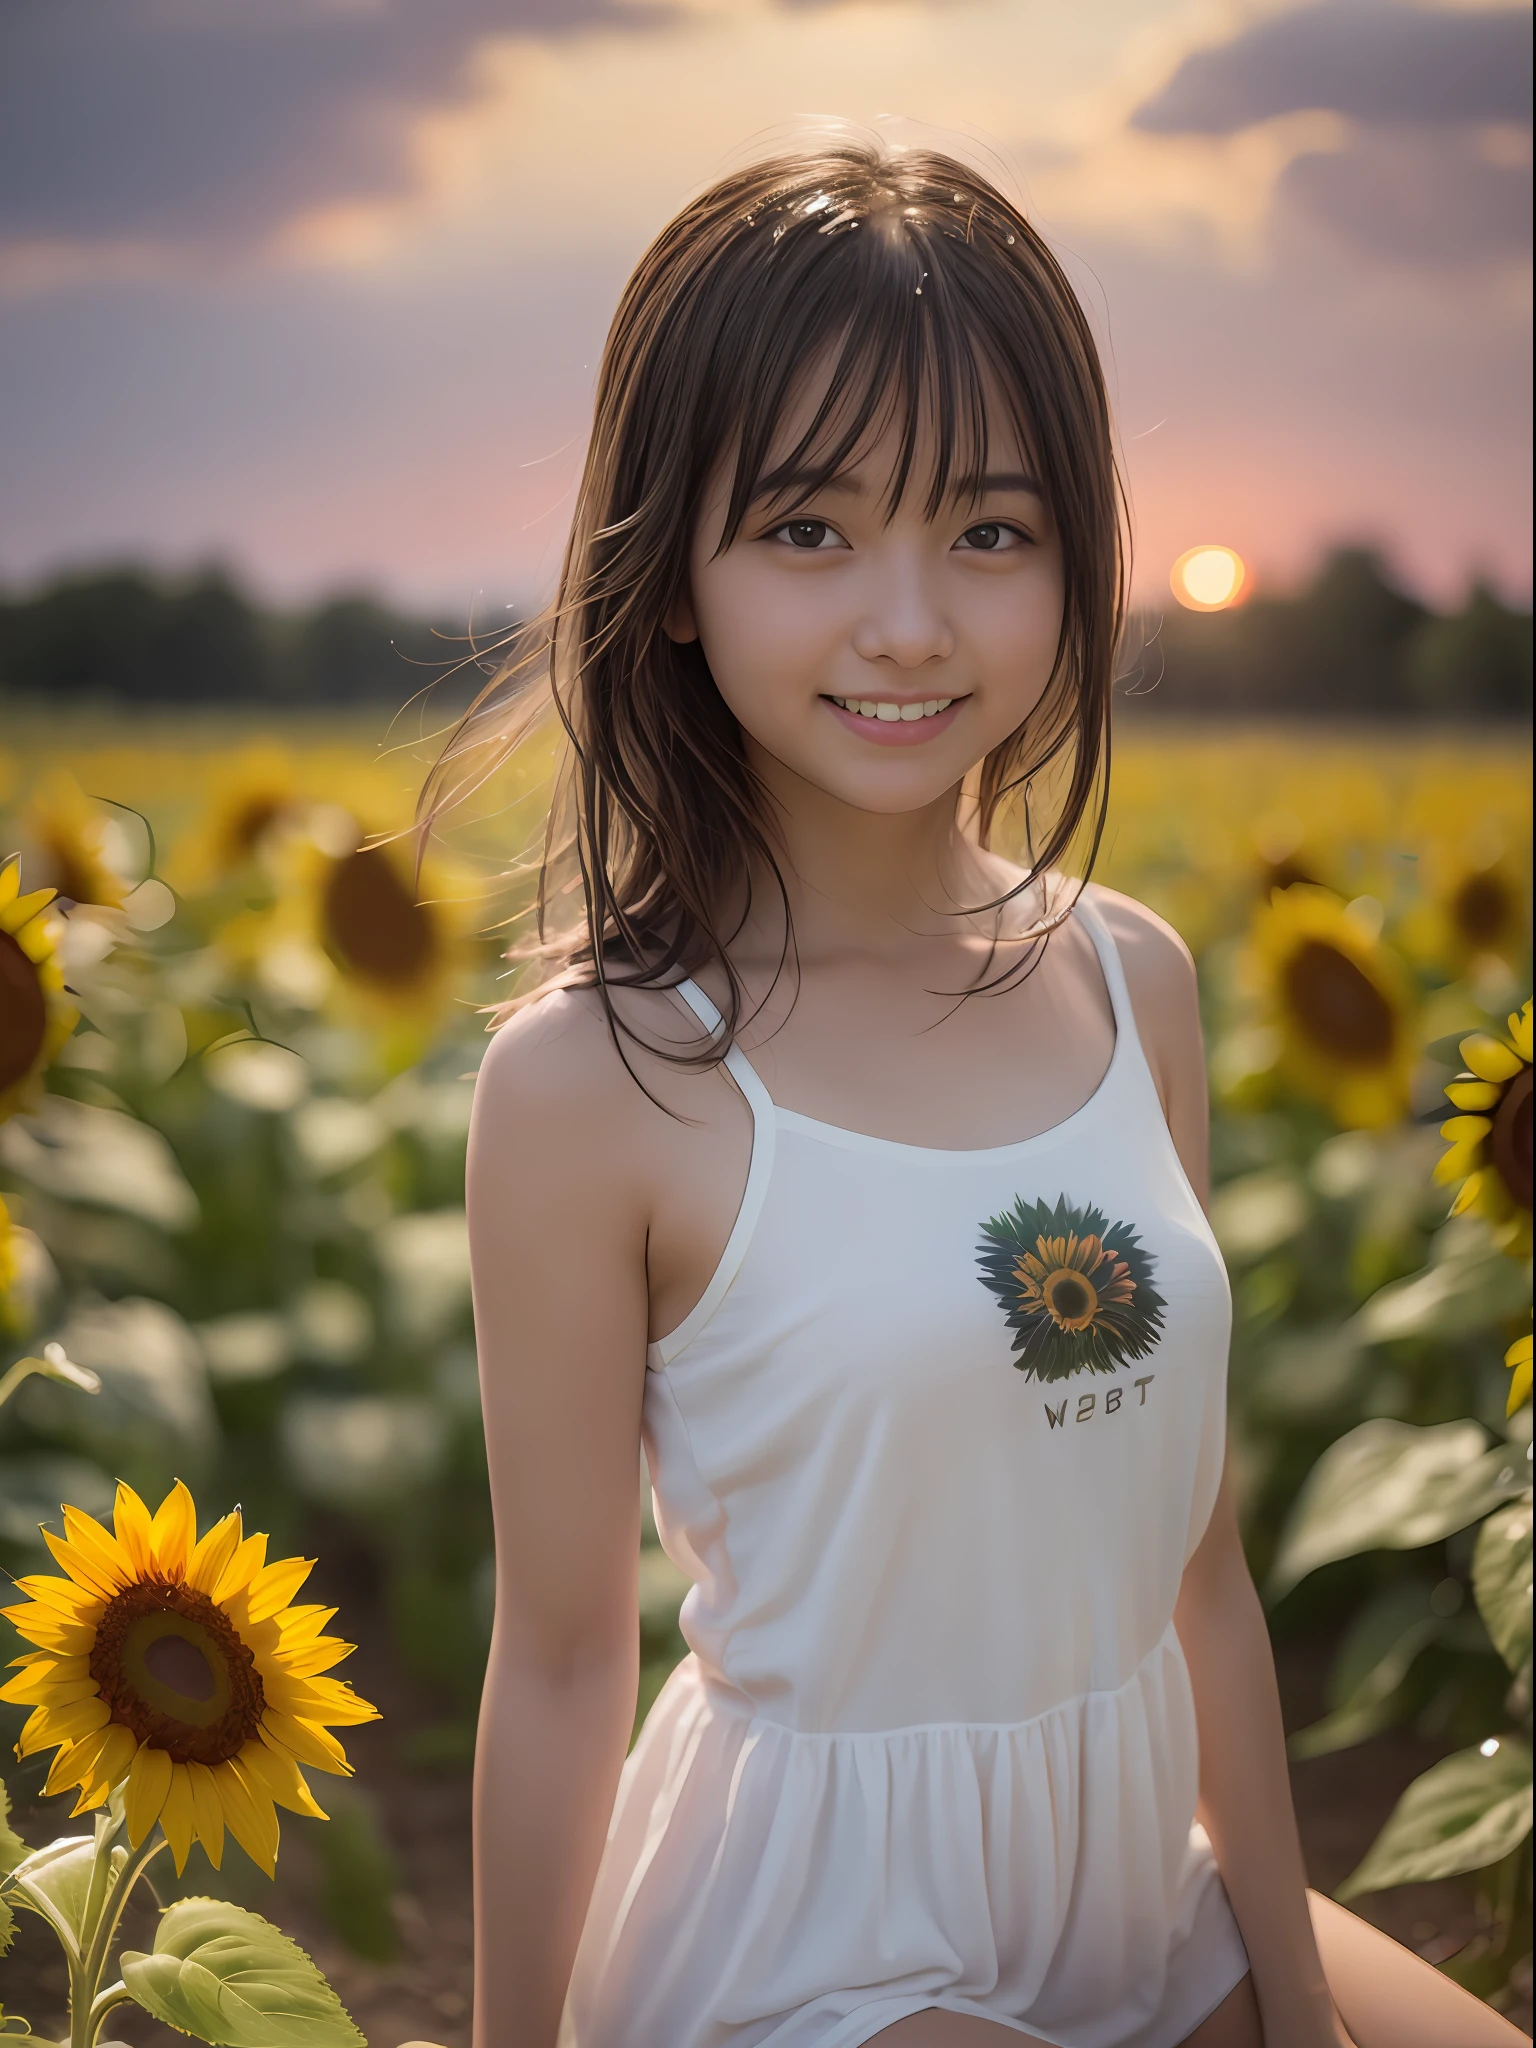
x=1076, y=1289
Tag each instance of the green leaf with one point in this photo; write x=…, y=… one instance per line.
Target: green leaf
x=1501, y=1580
x=7, y=1931
x=1373, y=1660
x=58, y=1877
x=233, y=1979
x=1392, y=1486
x=1463, y=1814
x=13, y=1849
x=1472, y=1287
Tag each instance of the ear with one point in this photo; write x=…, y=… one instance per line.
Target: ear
x=678, y=622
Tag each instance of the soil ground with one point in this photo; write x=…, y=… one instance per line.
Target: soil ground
x=423, y=1995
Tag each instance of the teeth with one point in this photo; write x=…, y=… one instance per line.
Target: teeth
x=869, y=707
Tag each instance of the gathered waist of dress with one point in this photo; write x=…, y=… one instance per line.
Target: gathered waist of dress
x=732, y=1702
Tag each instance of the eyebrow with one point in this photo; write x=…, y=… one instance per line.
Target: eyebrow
x=996, y=480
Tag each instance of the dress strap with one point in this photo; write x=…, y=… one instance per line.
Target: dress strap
x=759, y=1172
x=1114, y=974
x=737, y=1065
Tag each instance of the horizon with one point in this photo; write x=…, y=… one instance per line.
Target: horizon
x=322, y=293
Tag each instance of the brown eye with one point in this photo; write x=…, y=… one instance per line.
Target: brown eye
x=989, y=535
x=805, y=533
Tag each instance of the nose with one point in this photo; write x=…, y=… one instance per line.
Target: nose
x=902, y=621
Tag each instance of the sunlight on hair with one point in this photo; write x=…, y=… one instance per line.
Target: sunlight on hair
x=1207, y=578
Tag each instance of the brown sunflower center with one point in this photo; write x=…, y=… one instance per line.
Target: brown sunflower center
x=1337, y=1005
x=1071, y=1298
x=249, y=824
x=23, y=1012
x=1482, y=909
x=174, y=1670
x=374, y=925
x=1509, y=1142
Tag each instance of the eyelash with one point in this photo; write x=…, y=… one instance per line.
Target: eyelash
x=1001, y=525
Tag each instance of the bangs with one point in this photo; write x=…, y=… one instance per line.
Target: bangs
x=931, y=343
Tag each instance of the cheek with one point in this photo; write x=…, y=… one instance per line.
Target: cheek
x=761, y=641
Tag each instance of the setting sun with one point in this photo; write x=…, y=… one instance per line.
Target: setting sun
x=1208, y=578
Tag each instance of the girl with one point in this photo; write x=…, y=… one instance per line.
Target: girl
x=858, y=1173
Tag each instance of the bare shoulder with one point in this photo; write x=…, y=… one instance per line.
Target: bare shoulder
x=554, y=1079
x=1156, y=959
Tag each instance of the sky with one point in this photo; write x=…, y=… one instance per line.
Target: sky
x=319, y=287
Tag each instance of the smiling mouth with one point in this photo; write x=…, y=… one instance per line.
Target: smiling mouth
x=888, y=712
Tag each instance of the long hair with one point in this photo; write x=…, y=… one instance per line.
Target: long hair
x=920, y=287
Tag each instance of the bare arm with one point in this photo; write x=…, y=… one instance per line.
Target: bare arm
x=1245, y=1795
x=557, y=1235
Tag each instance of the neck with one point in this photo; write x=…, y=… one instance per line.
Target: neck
x=863, y=881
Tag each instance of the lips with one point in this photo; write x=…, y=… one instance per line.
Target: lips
x=892, y=722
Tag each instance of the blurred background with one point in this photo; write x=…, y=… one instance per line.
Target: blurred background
x=300, y=309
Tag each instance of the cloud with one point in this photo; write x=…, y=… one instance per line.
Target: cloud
x=1375, y=62
x=1414, y=198
x=174, y=122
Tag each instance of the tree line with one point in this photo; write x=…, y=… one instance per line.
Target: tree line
x=1351, y=643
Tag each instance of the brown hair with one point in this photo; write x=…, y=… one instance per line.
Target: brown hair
x=918, y=283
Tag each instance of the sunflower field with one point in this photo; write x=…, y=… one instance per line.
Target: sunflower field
x=236, y=1060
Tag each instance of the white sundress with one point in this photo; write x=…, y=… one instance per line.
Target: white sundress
x=934, y=1448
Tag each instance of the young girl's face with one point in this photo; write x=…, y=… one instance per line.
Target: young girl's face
x=879, y=656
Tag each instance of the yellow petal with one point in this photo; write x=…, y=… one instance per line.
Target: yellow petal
x=317, y=1699
x=1520, y=1032
x=75, y=1763
x=83, y=1568
x=178, y=1816
x=101, y=1546
x=275, y=1585
x=1467, y=1194
x=62, y=1594
x=115, y=1759
x=49, y=1725
x=149, y=1780
x=276, y=1773
x=174, y=1531
x=300, y=1624
x=208, y=1812
x=1474, y=1095
x=1456, y=1164
x=1519, y=1388
x=50, y=1631
x=131, y=1519
x=1466, y=1130
x=1519, y=1353
x=248, y=1814
x=310, y=1743
x=1490, y=1058
x=211, y=1558
x=41, y=1686
x=10, y=881
x=305, y=1660
x=241, y=1569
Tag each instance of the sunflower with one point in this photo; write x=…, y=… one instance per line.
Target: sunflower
x=1343, y=1004
x=1474, y=913
x=1076, y=1289
x=35, y=1018
x=1490, y=1138
x=351, y=929
x=1518, y=1359
x=72, y=837
x=248, y=800
x=178, y=1668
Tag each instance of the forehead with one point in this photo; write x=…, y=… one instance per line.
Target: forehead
x=895, y=427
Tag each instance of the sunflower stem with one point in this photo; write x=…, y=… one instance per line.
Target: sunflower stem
x=103, y=2003
x=109, y=1913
